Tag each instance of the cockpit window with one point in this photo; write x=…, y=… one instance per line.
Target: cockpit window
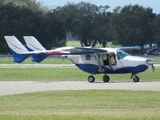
x=121, y=54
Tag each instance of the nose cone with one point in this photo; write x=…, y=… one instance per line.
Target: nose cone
x=150, y=61
x=140, y=64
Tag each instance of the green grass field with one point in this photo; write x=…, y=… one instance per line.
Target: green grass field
x=68, y=74
x=78, y=105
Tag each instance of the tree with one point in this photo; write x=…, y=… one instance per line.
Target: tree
x=101, y=25
x=68, y=15
x=31, y=4
x=55, y=32
x=132, y=25
x=156, y=30
x=21, y=21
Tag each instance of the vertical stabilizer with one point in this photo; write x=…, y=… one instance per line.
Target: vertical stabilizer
x=33, y=43
x=19, y=52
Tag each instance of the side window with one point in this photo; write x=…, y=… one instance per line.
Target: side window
x=104, y=57
x=119, y=55
x=88, y=57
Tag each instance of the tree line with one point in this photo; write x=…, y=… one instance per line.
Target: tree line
x=128, y=25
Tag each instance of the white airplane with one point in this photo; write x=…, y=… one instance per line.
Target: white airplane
x=91, y=60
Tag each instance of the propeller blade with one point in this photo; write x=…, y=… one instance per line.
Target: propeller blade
x=153, y=67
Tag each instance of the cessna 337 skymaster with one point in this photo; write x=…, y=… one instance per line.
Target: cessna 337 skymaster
x=91, y=60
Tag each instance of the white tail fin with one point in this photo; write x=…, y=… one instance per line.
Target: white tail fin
x=15, y=45
x=19, y=52
x=33, y=43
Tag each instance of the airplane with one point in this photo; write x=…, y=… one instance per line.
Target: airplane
x=88, y=59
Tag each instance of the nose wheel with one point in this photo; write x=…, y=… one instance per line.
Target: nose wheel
x=135, y=78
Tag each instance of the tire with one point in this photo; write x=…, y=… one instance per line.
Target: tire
x=136, y=79
x=91, y=79
x=106, y=78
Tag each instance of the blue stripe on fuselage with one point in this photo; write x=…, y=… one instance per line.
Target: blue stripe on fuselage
x=93, y=69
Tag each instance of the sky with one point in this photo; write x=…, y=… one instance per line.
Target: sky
x=154, y=4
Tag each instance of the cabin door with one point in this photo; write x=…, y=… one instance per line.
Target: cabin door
x=109, y=59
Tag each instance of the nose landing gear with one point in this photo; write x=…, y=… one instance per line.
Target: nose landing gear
x=135, y=78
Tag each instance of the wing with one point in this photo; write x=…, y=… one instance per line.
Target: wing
x=20, y=53
x=130, y=48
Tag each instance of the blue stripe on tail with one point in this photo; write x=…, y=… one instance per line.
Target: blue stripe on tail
x=37, y=57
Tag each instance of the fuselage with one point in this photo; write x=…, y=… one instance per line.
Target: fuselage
x=122, y=62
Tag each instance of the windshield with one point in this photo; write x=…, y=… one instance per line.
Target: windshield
x=121, y=54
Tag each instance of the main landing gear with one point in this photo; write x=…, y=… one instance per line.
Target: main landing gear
x=91, y=78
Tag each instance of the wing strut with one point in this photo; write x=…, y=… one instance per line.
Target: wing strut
x=99, y=64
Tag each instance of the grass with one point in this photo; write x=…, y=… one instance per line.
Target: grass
x=68, y=74
x=78, y=105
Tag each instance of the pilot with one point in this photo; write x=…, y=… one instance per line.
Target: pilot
x=112, y=59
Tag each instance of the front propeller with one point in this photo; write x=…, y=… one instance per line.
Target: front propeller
x=153, y=68
x=151, y=62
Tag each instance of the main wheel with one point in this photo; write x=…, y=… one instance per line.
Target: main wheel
x=136, y=78
x=106, y=78
x=91, y=79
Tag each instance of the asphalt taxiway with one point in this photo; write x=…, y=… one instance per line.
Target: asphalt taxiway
x=9, y=88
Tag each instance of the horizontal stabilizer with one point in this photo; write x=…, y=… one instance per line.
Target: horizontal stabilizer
x=38, y=57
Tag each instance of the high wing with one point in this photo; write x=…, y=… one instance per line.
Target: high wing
x=34, y=45
x=130, y=48
x=20, y=53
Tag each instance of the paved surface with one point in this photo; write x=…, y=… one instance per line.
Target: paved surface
x=8, y=88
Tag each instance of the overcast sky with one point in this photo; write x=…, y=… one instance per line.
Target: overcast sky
x=154, y=4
